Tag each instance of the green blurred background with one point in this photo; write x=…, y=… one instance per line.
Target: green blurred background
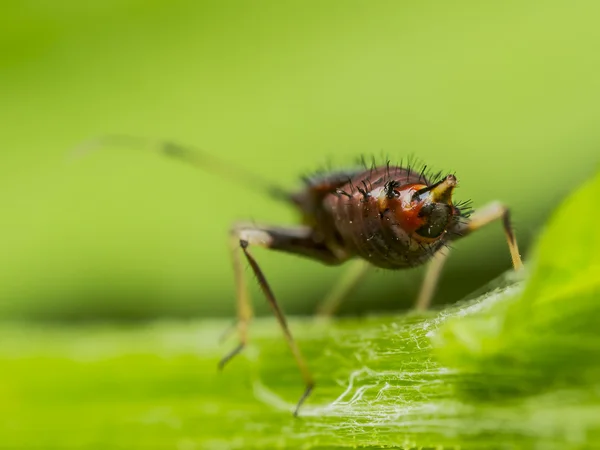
x=506, y=94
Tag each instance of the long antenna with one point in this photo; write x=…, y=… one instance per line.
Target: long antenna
x=192, y=156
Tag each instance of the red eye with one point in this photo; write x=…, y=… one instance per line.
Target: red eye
x=405, y=209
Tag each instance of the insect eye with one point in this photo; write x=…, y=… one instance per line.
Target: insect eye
x=437, y=217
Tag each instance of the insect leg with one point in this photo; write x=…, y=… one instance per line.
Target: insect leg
x=432, y=277
x=493, y=211
x=356, y=272
x=296, y=240
x=244, y=304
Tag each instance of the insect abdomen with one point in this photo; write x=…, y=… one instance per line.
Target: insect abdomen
x=366, y=228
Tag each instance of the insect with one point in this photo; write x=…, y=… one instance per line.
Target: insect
x=386, y=216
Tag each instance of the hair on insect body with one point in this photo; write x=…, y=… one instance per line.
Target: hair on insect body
x=388, y=216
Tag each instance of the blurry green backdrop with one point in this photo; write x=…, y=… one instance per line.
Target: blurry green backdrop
x=506, y=94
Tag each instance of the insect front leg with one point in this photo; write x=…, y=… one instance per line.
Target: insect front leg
x=432, y=278
x=490, y=213
x=295, y=240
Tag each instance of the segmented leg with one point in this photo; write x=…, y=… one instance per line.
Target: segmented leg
x=432, y=277
x=489, y=213
x=244, y=304
x=353, y=275
x=296, y=240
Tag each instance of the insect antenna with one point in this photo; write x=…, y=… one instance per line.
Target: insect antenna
x=190, y=155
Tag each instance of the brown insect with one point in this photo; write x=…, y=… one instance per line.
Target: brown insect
x=388, y=216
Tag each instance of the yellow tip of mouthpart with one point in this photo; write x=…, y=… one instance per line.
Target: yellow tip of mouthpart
x=442, y=193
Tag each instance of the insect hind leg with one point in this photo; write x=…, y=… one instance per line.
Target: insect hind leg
x=248, y=235
x=244, y=303
x=295, y=240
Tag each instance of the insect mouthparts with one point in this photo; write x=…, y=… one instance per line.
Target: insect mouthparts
x=440, y=192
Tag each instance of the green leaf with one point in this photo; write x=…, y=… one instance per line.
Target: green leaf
x=517, y=366
x=550, y=335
